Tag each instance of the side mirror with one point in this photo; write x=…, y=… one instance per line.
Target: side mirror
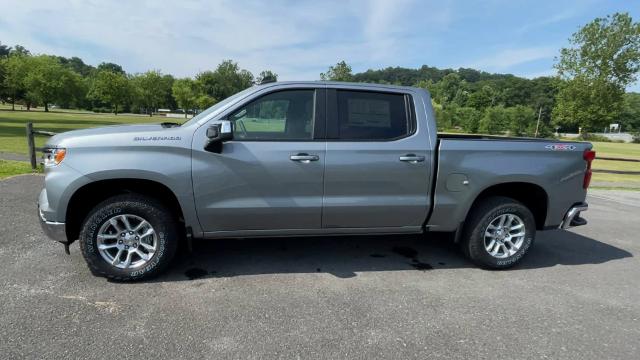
x=218, y=133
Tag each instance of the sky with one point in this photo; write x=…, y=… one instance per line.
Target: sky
x=300, y=39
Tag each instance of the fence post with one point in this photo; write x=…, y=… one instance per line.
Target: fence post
x=32, y=145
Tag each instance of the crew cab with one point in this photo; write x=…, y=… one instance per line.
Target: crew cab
x=299, y=159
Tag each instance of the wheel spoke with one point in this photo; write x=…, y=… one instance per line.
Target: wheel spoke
x=125, y=221
x=496, y=248
x=127, y=261
x=142, y=224
x=512, y=246
x=491, y=244
x=502, y=220
x=103, y=237
x=114, y=223
x=516, y=227
x=142, y=255
x=518, y=234
x=147, y=246
x=504, y=249
x=107, y=246
x=116, y=259
x=147, y=233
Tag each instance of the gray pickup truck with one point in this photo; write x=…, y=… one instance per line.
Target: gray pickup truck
x=305, y=158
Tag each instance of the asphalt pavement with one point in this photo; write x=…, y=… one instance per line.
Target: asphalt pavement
x=575, y=296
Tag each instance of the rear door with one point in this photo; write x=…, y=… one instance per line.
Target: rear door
x=377, y=162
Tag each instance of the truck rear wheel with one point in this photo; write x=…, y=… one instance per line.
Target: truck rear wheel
x=498, y=233
x=128, y=237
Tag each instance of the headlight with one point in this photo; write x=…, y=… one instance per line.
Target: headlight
x=53, y=156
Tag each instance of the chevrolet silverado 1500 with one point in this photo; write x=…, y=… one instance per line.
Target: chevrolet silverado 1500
x=305, y=158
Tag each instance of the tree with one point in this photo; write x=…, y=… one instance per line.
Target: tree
x=20, y=50
x=110, y=87
x=76, y=64
x=186, y=93
x=521, y=120
x=483, y=98
x=630, y=117
x=339, y=72
x=450, y=88
x=15, y=70
x=266, y=76
x=111, y=67
x=150, y=89
x=495, y=120
x=204, y=101
x=48, y=81
x=4, y=50
x=604, y=58
x=225, y=81
x=468, y=118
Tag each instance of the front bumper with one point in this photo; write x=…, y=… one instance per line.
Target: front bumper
x=572, y=217
x=54, y=230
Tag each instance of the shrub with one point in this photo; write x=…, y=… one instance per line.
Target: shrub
x=593, y=137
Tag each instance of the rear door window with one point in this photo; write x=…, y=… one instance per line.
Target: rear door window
x=364, y=115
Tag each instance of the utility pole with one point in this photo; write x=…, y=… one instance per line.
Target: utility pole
x=538, y=123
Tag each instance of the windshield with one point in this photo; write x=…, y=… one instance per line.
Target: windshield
x=218, y=106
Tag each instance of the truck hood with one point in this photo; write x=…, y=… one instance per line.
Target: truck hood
x=107, y=133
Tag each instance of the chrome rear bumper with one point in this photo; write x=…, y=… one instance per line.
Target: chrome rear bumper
x=572, y=217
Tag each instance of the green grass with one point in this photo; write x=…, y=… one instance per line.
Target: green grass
x=11, y=168
x=619, y=150
x=618, y=178
x=616, y=150
x=616, y=165
x=13, y=133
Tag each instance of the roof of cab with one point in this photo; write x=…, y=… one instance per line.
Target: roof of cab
x=341, y=84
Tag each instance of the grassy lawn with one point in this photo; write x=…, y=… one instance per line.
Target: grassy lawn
x=10, y=168
x=12, y=124
x=628, y=151
x=616, y=150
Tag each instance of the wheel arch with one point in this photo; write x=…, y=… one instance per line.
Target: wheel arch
x=531, y=195
x=89, y=195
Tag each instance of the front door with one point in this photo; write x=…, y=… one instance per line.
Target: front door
x=378, y=163
x=270, y=176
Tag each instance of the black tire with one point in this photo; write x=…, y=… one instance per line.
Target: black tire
x=154, y=212
x=473, y=240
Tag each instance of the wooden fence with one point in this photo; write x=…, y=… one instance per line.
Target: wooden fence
x=32, y=143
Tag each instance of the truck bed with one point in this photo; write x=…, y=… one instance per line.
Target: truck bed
x=468, y=165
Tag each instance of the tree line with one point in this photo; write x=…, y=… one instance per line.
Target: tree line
x=588, y=92
x=41, y=80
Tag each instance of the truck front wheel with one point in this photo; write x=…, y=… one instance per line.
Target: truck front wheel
x=498, y=233
x=128, y=237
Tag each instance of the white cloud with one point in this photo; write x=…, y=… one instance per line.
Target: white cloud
x=296, y=39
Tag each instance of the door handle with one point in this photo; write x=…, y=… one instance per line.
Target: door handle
x=304, y=158
x=412, y=158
